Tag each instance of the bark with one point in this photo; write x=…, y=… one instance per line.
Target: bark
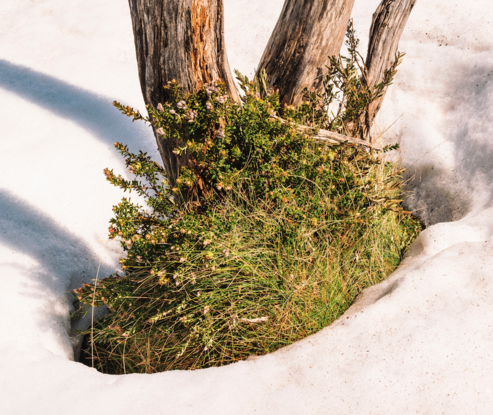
x=181, y=40
x=307, y=32
x=389, y=21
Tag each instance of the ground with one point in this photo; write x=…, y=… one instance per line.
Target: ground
x=420, y=342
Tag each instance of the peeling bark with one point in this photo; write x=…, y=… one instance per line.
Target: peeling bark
x=181, y=40
x=307, y=32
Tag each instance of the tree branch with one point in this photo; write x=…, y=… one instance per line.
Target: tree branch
x=306, y=34
x=329, y=136
x=389, y=21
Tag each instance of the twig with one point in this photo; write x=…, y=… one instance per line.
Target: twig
x=254, y=320
x=331, y=137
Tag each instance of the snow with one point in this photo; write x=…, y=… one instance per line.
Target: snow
x=420, y=342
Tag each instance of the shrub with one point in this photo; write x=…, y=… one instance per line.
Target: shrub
x=267, y=236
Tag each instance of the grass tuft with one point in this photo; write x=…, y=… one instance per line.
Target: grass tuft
x=266, y=237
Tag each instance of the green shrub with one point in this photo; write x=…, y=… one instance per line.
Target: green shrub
x=266, y=237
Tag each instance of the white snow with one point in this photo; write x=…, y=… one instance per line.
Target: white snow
x=420, y=342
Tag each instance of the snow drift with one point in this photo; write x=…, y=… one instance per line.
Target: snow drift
x=420, y=342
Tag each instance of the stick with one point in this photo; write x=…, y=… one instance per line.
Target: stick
x=331, y=137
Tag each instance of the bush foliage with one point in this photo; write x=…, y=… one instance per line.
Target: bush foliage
x=266, y=237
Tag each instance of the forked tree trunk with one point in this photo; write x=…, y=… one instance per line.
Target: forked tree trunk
x=389, y=21
x=184, y=40
x=181, y=40
x=306, y=34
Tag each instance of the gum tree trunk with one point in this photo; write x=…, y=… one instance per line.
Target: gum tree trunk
x=181, y=40
x=307, y=32
x=184, y=40
x=389, y=21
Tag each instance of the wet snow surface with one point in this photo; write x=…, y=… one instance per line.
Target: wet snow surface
x=420, y=342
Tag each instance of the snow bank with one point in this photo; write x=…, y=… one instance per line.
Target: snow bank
x=420, y=342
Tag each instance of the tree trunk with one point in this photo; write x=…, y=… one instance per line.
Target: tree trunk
x=389, y=21
x=307, y=32
x=184, y=40
x=181, y=40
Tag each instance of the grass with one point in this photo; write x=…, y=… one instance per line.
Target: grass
x=268, y=274
x=267, y=236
